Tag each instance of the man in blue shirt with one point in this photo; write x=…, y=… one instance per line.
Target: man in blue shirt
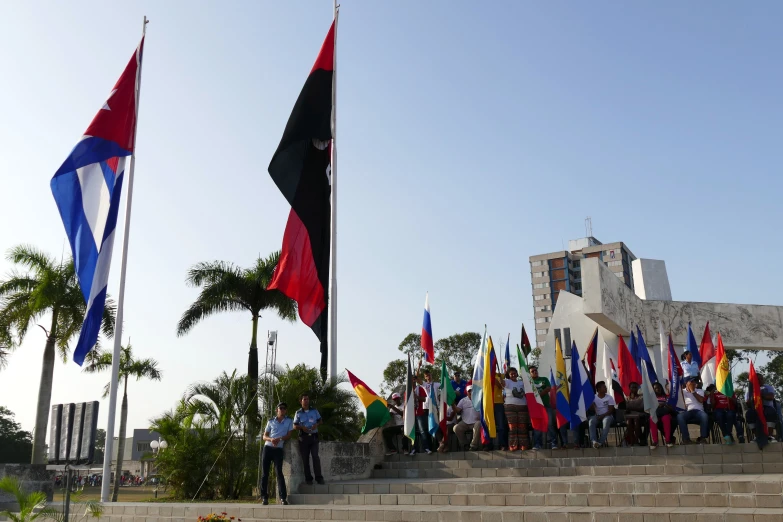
x=277, y=431
x=459, y=385
x=690, y=368
x=307, y=420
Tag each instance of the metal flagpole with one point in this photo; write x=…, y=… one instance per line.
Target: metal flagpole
x=333, y=239
x=115, y=360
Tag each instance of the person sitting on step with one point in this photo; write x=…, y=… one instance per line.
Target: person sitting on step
x=665, y=413
x=770, y=408
x=603, y=405
x=694, y=402
x=722, y=413
x=470, y=421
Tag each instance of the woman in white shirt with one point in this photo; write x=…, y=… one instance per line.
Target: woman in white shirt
x=517, y=413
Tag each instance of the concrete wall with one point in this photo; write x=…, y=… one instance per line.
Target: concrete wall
x=339, y=460
x=650, y=280
x=34, y=477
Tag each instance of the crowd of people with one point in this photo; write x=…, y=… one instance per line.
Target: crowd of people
x=703, y=407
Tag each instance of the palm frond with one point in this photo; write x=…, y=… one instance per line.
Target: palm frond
x=32, y=258
x=211, y=301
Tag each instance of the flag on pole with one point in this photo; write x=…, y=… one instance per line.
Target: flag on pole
x=507, y=355
x=723, y=381
x=409, y=413
x=664, y=353
x=634, y=349
x=426, y=333
x=606, y=369
x=675, y=399
x=480, y=386
x=755, y=403
x=644, y=355
x=562, y=406
x=433, y=407
x=87, y=189
x=488, y=407
x=707, y=355
x=447, y=398
x=301, y=169
x=691, y=346
x=553, y=396
x=539, y=417
x=582, y=393
x=617, y=390
x=377, y=411
x=627, y=370
x=648, y=394
x=526, y=348
x=590, y=357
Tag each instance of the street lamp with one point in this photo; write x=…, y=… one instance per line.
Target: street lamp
x=158, y=445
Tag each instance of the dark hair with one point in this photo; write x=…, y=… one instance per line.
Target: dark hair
x=632, y=383
x=282, y=405
x=427, y=372
x=663, y=391
x=533, y=367
x=599, y=384
x=303, y=395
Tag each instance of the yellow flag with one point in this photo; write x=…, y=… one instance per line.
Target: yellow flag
x=560, y=368
x=488, y=399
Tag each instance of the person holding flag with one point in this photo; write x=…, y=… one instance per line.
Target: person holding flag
x=516, y=411
x=543, y=387
x=756, y=409
x=557, y=423
x=422, y=415
x=563, y=396
x=446, y=411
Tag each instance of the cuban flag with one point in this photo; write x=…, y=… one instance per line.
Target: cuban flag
x=87, y=189
x=426, y=333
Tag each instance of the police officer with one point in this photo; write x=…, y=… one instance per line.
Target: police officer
x=307, y=420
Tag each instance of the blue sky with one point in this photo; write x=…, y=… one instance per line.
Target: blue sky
x=470, y=137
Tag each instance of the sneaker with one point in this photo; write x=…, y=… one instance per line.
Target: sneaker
x=309, y=482
x=320, y=481
x=265, y=502
x=772, y=439
x=392, y=452
x=555, y=448
x=428, y=452
x=653, y=446
x=413, y=452
x=596, y=445
x=536, y=447
x=702, y=441
x=669, y=445
x=284, y=502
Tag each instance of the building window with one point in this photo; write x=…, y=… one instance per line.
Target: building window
x=536, y=263
x=539, y=274
x=614, y=263
x=545, y=308
x=539, y=297
x=541, y=332
x=541, y=285
x=577, y=265
x=143, y=447
x=619, y=274
x=540, y=344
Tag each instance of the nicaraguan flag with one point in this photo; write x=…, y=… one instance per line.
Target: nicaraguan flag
x=582, y=393
x=87, y=189
x=644, y=355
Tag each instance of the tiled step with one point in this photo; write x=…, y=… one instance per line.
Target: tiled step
x=254, y=513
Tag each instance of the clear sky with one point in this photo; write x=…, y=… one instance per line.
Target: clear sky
x=470, y=136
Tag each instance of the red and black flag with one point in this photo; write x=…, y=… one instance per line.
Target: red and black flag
x=591, y=356
x=526, y=348
x=756, y=405
x=301, y=169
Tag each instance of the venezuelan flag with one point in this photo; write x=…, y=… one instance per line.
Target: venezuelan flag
x=377, y=410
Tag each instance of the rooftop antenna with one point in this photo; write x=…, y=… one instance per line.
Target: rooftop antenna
x=589, y=226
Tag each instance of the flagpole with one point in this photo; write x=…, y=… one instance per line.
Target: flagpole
x=333, y=238
x=115, y=360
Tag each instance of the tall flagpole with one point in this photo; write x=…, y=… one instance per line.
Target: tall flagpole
x=333, y=238
x=115, y=359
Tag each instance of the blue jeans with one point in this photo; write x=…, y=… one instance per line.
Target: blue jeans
x=423, y=432
x=538, y=436
x=693, y=416
x=725, y=420
x=501, y=426
x=606, y=423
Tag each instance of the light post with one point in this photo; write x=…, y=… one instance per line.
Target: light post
x=158, y=445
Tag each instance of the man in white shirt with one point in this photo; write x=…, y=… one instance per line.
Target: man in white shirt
x=603, y=405
x=694, y=403
x=396, y=426
x=470, y=421
x=690, y=368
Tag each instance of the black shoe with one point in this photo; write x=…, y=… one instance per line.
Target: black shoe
x=309, y=482
x=265, y=502
x=284, y=502
x=320, y=481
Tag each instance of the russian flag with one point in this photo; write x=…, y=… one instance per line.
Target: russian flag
x=426, y=333
x=87, y=189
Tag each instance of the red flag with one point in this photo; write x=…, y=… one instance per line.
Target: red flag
x=628, y=372
x=590, y=357
x=755, y=400
x=707, y=349
x=617, y=390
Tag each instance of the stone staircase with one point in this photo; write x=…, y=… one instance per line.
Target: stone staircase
x=709, y=483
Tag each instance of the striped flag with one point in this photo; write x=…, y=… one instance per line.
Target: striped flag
x=447, y=398
x=648, y=394
x=707, y=354
x=644, y=355
x=539, y=417
x=582, y=393
x=562, y=406
x=723, y=380
x=675, y=399
x=426, y=333
x=377, y=411
x=87, y=189
x=409, y=413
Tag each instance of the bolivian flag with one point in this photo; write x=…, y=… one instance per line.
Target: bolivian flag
x=377, y=410
x=723, y=371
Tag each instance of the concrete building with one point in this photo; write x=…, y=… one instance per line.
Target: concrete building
x=137, y=456
x=557, y=271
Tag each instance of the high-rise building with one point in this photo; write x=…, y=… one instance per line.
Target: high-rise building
x=556, y=271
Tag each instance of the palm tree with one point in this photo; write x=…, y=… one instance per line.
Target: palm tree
x=47, y=287
x=32, y=506
x=228, y=288
x=129, y=367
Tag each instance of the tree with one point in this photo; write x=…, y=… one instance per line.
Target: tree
x=100, y=445
x=459, y=351
x=32, y=506
x=773, y=371
x=16, y=445
x=129, y=367
x=47, y=287
x=394, y=377
x=229, y=288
